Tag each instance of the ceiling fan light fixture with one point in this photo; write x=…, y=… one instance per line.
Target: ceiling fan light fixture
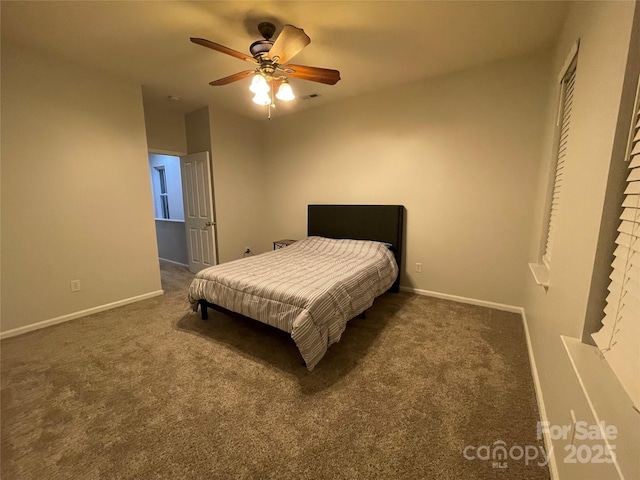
x=285, y=92
x=262, y=98
x=259, y=84
x=270, y=59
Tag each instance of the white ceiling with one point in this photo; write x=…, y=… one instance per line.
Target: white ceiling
x=374, y=44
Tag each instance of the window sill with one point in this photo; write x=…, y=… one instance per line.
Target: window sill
x=608, y=402
x=168, y=220
x=540, y=274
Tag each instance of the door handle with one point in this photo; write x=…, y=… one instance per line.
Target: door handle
x=210, y=224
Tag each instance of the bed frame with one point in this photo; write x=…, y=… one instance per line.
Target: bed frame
x=382, y=223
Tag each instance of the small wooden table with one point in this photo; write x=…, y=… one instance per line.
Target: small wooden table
x=282, y=243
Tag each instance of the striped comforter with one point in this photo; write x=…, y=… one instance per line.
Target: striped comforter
x=309, y=289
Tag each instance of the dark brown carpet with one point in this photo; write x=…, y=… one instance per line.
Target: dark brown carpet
x=151, y=391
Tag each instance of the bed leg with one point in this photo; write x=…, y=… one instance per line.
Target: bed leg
x=203, y=309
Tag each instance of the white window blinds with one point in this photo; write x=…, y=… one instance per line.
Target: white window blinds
x=619, y=337
x=562, y=125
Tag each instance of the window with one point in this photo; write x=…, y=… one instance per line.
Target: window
x=563, y=122
x=619, y=337
x=166, y=187
x=567, y=80
x=164, y=198
x=161, y=193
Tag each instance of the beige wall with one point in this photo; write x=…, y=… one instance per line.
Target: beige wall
x=198, y=131
x=165, y=130
x=604, y=32
x=459, y=151
x=234, y=144
x=239, y=182
x=76, y=194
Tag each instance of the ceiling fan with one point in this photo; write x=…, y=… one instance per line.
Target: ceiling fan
x=270, y=58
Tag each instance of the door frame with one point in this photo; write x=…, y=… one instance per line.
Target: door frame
x=173, y=153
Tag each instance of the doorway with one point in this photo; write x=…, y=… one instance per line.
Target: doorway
x=168, y=206
x=182, y=188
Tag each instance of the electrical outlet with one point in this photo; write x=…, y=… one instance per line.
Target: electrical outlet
x=75, y=285
x=418, y=268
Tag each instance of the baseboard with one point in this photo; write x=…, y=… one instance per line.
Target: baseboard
x=470, y=301
x=548, y=444
x=173, y=261
x=81, y=313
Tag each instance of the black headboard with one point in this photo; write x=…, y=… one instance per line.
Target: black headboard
x=382, y=223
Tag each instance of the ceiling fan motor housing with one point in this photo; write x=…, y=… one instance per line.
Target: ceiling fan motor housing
x=260, y=47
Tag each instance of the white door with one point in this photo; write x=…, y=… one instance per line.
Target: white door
x=198, y=210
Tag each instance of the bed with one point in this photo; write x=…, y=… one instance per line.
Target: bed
x=312, y=288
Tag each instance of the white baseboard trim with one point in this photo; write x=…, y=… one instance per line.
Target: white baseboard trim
x=548, y=444
x=470, y=301
x=174, y=262
x=81, y=313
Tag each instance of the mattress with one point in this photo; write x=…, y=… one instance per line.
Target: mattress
x=310, y=289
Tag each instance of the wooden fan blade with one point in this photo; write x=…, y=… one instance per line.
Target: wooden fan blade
x=221, y=48
x=288, y=44
x=314, y=74
x=232, y=78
